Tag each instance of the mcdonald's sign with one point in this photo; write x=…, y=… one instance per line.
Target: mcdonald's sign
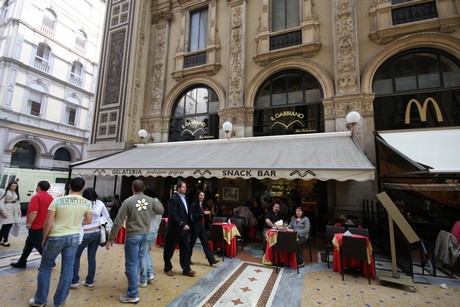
x=422, y=109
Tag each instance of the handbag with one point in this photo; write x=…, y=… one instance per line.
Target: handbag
x=15, y=229
x=106, y=227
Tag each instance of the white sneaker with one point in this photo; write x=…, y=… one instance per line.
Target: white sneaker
x=151, y=278
x=32, y=303
x=84, y=283
x=74, y=286
x=142, y=284
x=127, y=299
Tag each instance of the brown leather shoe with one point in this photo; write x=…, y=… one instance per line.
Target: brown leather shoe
x=169, y=273
x=189, y=273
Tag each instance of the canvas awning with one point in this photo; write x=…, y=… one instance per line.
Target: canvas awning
x=433, y=151
x=320, y=156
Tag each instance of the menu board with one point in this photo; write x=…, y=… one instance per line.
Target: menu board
x=57, y=189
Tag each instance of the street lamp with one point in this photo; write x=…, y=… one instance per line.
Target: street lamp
x=227, y=126
x=145, y=135
x=352, y=119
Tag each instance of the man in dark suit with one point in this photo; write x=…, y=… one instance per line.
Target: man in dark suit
x=178, y=231
x=198, y=230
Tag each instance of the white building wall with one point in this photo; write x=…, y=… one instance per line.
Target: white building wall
x=20, y=34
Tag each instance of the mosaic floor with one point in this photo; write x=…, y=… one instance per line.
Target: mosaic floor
x=315, y=285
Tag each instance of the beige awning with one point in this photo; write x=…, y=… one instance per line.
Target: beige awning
x=321, y=156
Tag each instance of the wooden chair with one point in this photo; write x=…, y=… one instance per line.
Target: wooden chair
x=287, y=243
x=330, y=231
x=354, y=248
x=240, y=223
x=220, y=219
x=216, y=234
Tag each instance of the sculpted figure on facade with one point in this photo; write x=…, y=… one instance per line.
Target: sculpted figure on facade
x=158, y=70
x=235, y=94
x=346, y=62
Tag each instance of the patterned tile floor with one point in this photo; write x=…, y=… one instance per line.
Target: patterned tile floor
x=315, y=285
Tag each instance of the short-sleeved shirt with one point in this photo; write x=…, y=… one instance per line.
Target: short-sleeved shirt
x=69, y=210
x=39, y=203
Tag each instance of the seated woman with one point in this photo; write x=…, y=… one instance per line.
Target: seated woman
x=301, y=224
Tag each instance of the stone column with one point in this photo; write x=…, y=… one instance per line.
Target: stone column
x=153, y=121
x=235, y=97
x=349, y=98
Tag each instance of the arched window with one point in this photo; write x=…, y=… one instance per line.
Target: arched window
x=49, y=20
x=42, y=57
x=62, y=154
x=417, y=89
x=77, y=70
x=288, y=103
x=195, y=116
x=80, y=40
x=23, y=155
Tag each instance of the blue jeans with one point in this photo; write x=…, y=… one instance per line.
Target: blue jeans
x=90, y=240
x=67, y=247
x=145, y=260
x=135, y=247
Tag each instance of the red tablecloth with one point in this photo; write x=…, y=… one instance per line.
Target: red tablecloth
x=230, y=233
x=160, y=237
x=270, y=250
x=337, y=260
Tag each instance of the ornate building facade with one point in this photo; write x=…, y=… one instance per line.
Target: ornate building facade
x=48, y=74
x=181, y=68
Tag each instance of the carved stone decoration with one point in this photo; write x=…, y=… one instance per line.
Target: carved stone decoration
x=236, y=116
x=160, y=16
x=136, y=105
x=345, y=41
x=158, y=70
x=115, y=61
x=235, y=96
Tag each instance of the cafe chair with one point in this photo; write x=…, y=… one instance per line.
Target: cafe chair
x=216, y=234
x=354, y=248
x=220, y=219
x=286, y=243
x=360, y=231
x=240, y=223
x=330, y=231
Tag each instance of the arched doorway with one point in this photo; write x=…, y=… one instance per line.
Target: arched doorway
x=23, y=155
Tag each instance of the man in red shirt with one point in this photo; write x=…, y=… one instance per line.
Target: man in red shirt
x=36, y=216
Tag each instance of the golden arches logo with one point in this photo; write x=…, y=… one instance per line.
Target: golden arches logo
x=288, y=125
x=423, y=109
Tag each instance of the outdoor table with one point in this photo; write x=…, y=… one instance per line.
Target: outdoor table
x=270, y=250
x=337, y=260
x=230, y=233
